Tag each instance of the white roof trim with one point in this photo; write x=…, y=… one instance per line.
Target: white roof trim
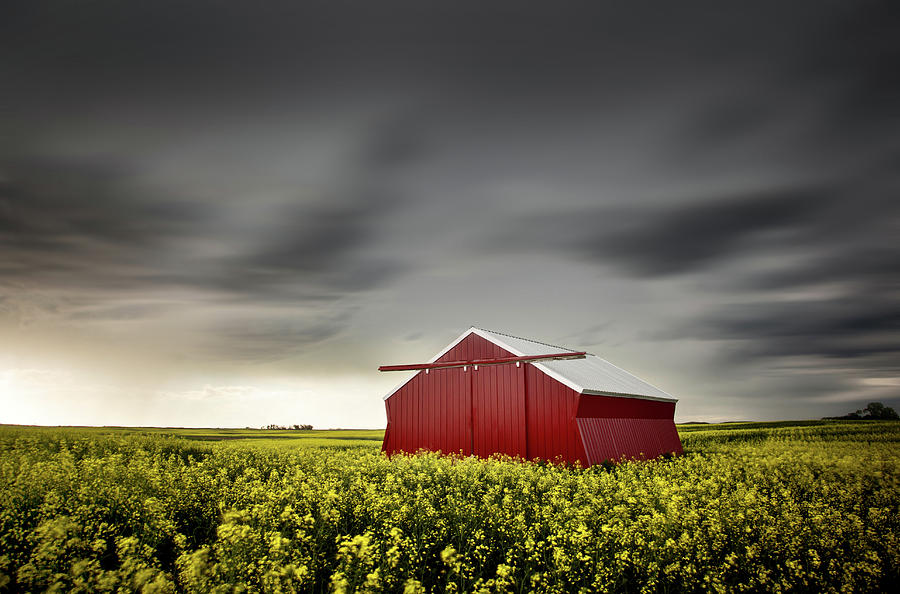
x=558, y=377
x=400, y=385
x=618, y=395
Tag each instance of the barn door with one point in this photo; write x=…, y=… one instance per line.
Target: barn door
x=498, y=410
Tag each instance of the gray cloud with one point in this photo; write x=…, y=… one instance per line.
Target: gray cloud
x=93, y=240
x=854, y=56
x=83, y=222
x=866, y=268
x=273, y=337
x=326, y=241
x=261, y=181
x=689, y=236
x=861, y=328
x=317, y=245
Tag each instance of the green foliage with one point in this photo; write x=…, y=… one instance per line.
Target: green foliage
x=877, y=411
x=813, y=507
x=874, y=411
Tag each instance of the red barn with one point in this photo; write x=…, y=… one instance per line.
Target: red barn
x=488, y=392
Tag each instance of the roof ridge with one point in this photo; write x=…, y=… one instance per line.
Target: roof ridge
x=555, y=346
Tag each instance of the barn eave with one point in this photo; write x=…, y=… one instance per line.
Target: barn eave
x=619, y=395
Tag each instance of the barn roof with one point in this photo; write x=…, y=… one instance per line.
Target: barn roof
x=590, y=375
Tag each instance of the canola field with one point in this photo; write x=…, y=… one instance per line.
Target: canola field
x=773, y=507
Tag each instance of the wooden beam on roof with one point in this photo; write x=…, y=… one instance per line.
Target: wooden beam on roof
x=476, y=362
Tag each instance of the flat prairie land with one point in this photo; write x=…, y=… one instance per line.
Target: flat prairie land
x=288, y=438
x=805, y=506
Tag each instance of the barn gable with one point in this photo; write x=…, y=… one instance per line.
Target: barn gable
x=470, y=345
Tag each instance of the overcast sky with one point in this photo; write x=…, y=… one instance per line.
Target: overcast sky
x=230, y=213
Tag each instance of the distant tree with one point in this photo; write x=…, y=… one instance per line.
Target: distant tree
x=880, y=412
x=874, y=411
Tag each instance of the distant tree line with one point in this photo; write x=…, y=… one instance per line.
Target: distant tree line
x=294, y=427
x=874, y=411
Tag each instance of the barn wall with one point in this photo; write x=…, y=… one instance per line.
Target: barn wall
x=433, y=411
x=614, y=428
x=615, y=439
x=618, y=407
x=498, y=410
x=550, y=412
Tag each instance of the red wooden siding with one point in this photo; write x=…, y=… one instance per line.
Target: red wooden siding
x=620, y=438
x=433, y=411
x=615, y=406
x=474, y=347
x=550, y=409
x=613, y=428
x=498, y=410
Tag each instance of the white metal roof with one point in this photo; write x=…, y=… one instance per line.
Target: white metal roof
x=591, y=375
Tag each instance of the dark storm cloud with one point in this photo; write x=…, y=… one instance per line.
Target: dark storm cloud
x=47, y=202
x=694, y=235
x=178, y=61
x=862, y=267
x=319, y=245
x=291, y=157
x=848, y=226
x=846, y=328
x=835, y=75
x=88, y=219
x=101, y=242
x=83, y=218
x=326, y=241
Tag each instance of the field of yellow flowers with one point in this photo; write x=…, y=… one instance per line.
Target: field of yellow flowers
x=812, y=508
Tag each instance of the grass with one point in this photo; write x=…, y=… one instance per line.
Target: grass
x=319, y=438
x=314, y=438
